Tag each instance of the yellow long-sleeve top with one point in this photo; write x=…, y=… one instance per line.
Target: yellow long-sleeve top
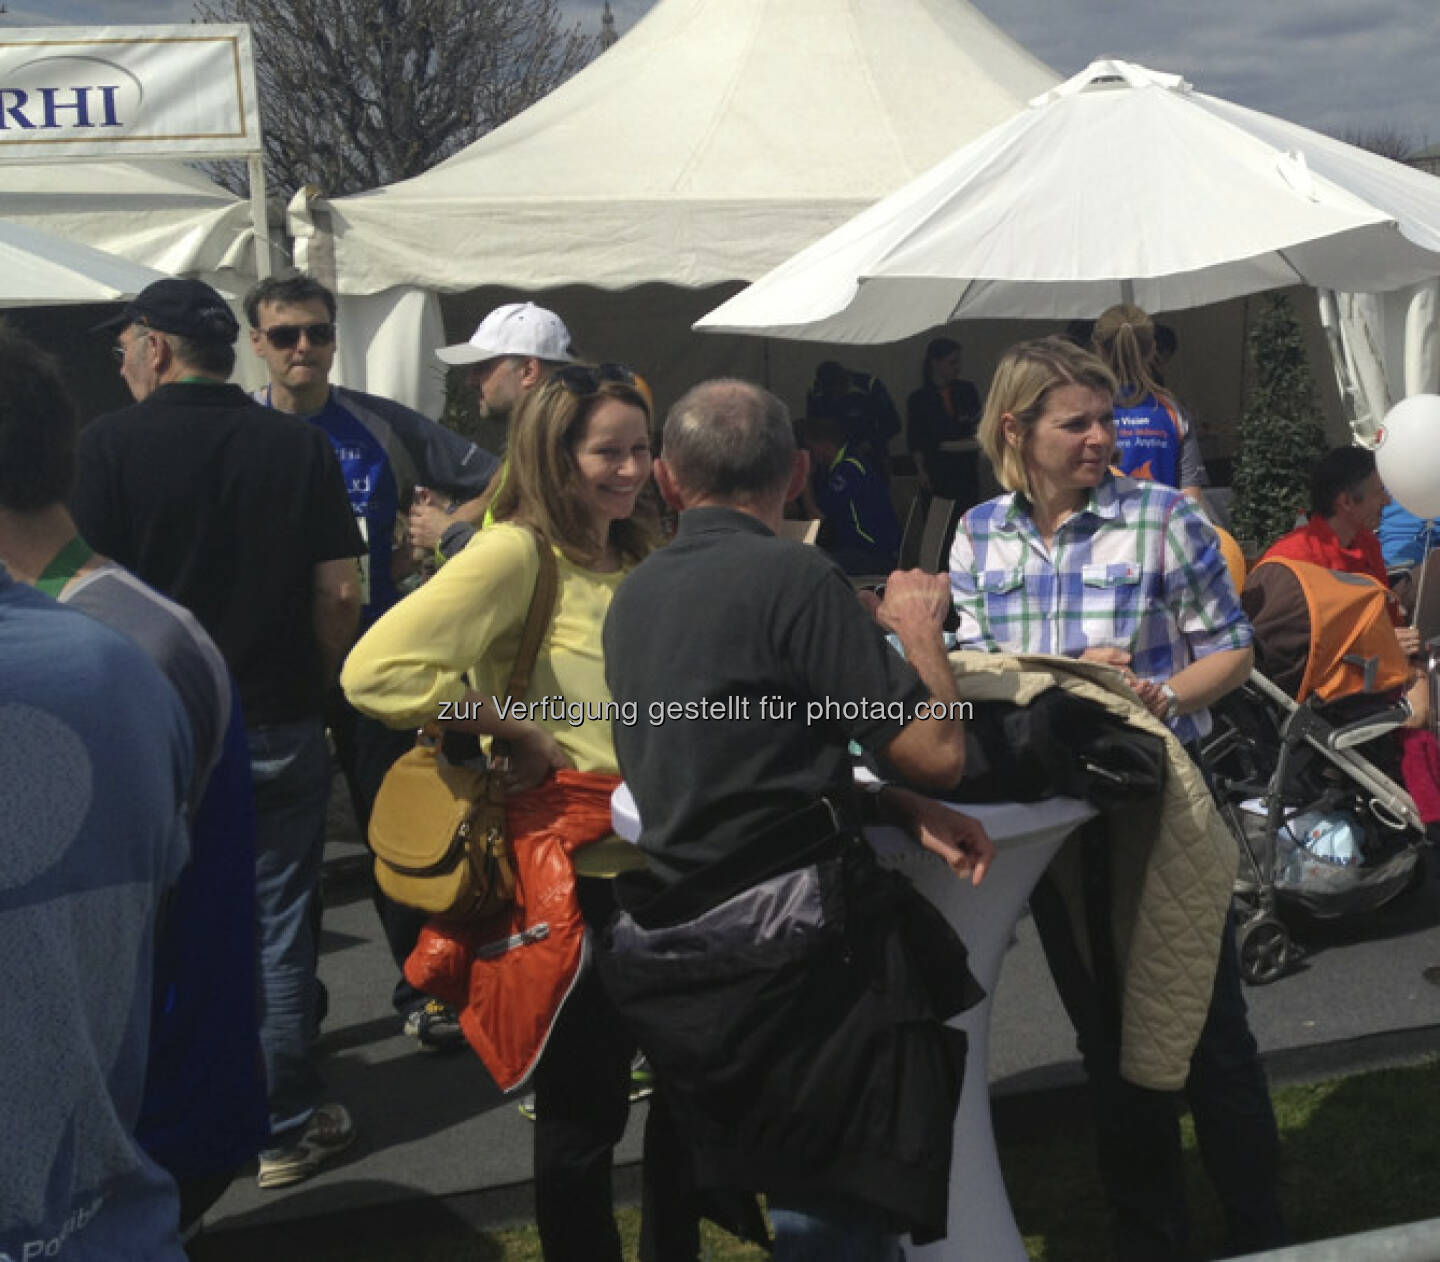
x=462, y=630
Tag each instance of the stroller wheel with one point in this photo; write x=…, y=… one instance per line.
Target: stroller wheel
x=1264, y=948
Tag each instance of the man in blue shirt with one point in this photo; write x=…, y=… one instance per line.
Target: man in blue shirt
x=96, y=759
x=387, y=453
x=851, y=494
x=204, y=1110
x=862, y=406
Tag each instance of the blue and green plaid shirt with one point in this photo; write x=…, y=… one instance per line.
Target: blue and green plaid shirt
x=1139, y=568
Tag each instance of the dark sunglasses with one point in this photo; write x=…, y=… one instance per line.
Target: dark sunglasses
x=582, y=379
x=286, y=337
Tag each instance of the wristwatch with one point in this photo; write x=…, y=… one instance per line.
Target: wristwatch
x=1172, y=704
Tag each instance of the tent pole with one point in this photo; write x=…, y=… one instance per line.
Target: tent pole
x=259, y=216
x=1127, y=291
x=765, y=361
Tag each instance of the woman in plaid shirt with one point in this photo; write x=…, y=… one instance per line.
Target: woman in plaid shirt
x=1080, y=562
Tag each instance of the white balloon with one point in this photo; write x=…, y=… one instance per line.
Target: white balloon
x=1407, y=454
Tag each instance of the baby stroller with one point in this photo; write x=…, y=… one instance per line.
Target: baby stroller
x=1305, y=764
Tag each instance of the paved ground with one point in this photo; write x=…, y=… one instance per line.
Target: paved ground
x=435, y=1125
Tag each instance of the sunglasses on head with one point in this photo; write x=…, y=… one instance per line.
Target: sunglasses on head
x=285, y=337
x=583, y=379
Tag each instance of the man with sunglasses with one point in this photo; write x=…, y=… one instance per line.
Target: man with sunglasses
x=386, y=452
x=239, y=514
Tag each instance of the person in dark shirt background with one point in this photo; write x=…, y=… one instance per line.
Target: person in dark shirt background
x=863, y=408
x=852, y=497
x=946, y=408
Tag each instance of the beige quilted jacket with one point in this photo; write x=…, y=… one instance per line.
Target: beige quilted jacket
x=1173, y=869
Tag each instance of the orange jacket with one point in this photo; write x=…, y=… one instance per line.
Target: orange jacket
x=508, y=976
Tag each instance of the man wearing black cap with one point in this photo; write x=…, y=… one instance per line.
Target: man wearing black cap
x=240, y=513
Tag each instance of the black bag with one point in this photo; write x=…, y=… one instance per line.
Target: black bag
x=1058, y=745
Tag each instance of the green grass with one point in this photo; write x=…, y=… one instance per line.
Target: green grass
x=1359, y=1153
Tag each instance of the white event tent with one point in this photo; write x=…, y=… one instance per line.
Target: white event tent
x=155, y=213
x=712, y=141
x=37, y=267
x=160, y=214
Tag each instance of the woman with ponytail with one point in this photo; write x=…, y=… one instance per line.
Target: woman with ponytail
x=1153, y=438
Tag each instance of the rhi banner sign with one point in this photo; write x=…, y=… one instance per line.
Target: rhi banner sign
x=127, y=92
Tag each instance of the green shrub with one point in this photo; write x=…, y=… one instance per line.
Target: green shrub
x=1281, y=432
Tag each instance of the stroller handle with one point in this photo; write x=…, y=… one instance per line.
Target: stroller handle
x=1369, y=728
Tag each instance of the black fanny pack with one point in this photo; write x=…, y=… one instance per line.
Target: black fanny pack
x=802, y=837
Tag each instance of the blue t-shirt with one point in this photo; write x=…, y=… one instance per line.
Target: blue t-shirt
x=386, y=449
x=96, y=758
x=374, y=499
x=1148, y=440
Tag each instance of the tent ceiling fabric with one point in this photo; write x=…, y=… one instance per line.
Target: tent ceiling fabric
x=1122, y=184
x=161, y=215
x=715, y=139
x=37, y=268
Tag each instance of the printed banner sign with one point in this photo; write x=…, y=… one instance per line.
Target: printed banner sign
x=127, y=91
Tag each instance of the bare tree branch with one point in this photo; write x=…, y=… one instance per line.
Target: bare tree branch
x=359, y=93
x=1388, y=142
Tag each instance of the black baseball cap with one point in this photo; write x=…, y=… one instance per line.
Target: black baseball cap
x=179, y=305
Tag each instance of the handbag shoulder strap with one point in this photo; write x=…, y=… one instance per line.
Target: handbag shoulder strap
x=537, y=618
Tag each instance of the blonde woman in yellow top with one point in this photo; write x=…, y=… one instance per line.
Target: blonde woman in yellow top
x=578, y=462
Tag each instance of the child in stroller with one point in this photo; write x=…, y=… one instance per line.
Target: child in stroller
x=1305, y=762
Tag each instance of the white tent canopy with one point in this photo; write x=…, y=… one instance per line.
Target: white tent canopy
x=37, y=268
x=159, y=214
x=1122, y=184
x=712, y=141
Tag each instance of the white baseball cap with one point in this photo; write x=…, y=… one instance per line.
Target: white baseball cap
x=517, y=328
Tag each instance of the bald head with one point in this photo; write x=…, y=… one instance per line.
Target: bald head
x=729, y=442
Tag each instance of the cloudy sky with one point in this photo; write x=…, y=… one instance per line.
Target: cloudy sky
x=1335, y=65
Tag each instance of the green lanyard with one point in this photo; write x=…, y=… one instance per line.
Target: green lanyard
x=63, y=566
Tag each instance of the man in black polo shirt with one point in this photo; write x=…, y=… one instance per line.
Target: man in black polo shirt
x=752, y=665
x=240, y=513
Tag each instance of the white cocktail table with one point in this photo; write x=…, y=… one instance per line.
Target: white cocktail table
x=1026, y=837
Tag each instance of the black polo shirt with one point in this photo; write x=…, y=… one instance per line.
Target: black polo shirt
x=780, y=667
x=226, y=507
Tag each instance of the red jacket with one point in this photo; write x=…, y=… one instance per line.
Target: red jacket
x=1318, y=543
x=508, y=976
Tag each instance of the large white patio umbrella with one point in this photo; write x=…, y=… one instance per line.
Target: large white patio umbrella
x=1122, y=184
x=38, y=269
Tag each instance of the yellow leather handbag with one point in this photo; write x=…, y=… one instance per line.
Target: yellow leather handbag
x=437, y=829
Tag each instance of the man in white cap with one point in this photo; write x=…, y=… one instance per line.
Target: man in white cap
x=512, y=350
